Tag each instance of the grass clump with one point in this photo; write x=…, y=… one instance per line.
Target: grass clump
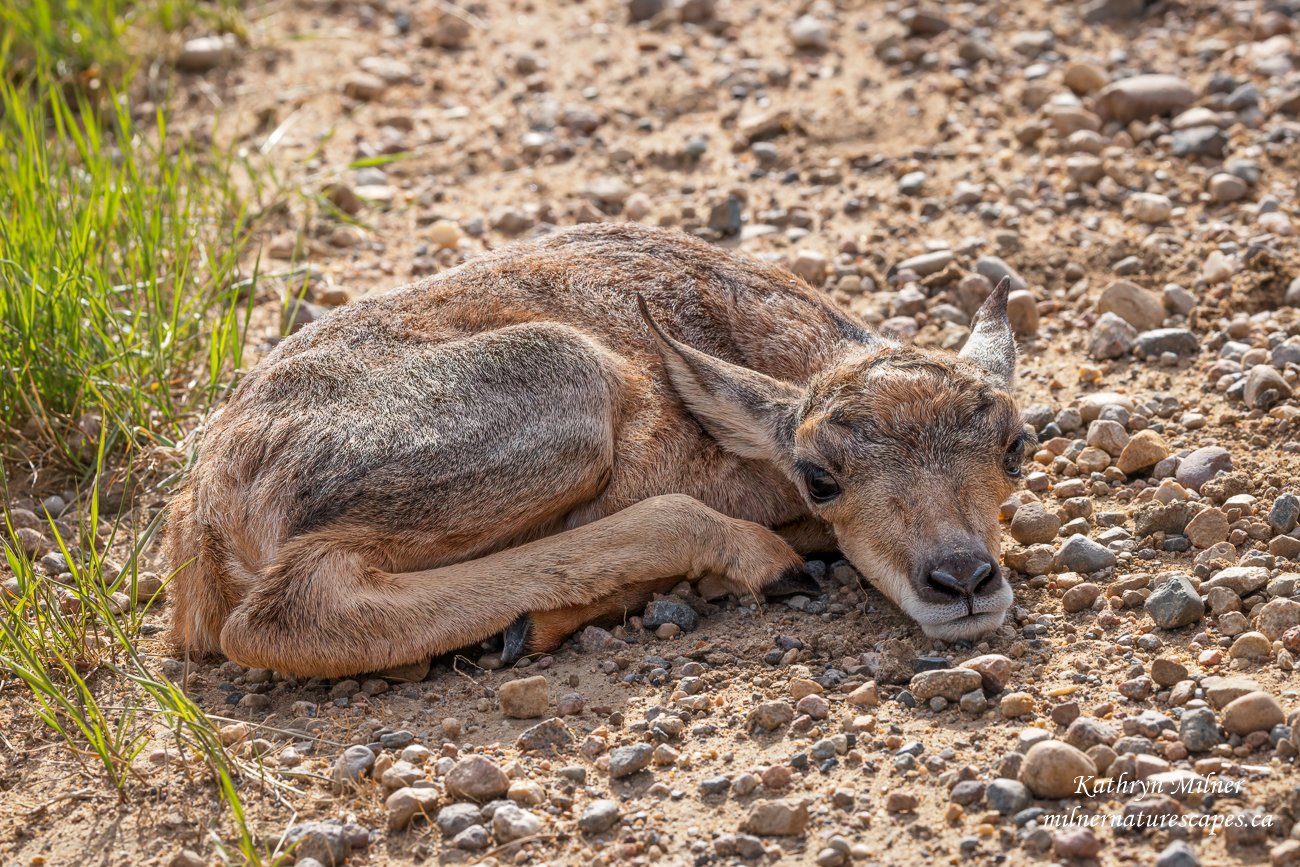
x=74, y=646
x=119, y=291
x=122, y=317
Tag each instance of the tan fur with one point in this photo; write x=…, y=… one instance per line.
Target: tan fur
x=417, y=471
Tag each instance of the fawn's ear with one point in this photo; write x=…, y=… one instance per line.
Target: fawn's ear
x=991, y=344
x=747, y=412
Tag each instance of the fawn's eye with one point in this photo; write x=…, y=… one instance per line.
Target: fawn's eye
x=1015, y=456
x=822, y=487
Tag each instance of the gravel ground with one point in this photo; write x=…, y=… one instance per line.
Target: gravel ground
x=1133, y=167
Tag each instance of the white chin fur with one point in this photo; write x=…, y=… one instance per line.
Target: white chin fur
x=969, y=627
x=955, y=622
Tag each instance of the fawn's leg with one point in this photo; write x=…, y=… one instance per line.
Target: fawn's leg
x=544, y=631
x=320, y=609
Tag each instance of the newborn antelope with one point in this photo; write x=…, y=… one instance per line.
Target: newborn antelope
x=550, y=434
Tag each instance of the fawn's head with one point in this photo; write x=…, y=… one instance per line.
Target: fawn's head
x=906, y=454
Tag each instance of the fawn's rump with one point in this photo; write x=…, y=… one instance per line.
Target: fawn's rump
x=406, y=462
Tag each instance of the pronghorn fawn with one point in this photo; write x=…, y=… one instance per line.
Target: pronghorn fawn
x=550, y=434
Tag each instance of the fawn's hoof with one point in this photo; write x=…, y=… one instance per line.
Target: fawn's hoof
x=792, y=582
x=514, y=641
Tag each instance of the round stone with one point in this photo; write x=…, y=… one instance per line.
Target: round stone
x=1080, y=597
x=1141, y=308
x=1033, y=524
x=1144, y=96
x=476, y=778
x=1202, y=465
x=526, y=698
x=1251, y=645
x=1050, y=769
x=1253, y=712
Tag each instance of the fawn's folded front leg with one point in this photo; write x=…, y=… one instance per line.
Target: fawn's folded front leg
x=321, y=610
x=685, y=540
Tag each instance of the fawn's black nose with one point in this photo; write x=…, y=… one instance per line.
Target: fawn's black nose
x=961, y=575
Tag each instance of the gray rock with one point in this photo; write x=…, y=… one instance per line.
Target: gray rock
x=351, y=767
x=1224, y=188
x=994, y=268
x=1284, y=514
x=205, y=53
x=455, y=818
x=1086, y=732
x=1264, y=387
x=511, y=823
x=1275, y=617
x=926, y=264
x=974, y=702
x=1081, y=554
x=1141, y=308
x=599, y=817
x=1107, y=11
x=1170, y=518
x=1154, y=343
x=1107, y=435
x=967, y=792
x=626, y=761
x=644, y=10
x=1199, y=141
x=770, y=716
x=405, y=804
x=596, y=640
x=924, y=21
x=783, y=818
x=1253, y=712
x=1144, y=96
x=1202, y=465
x=472, y=839
x=912, y=184
x=54, y=563
x=1198, y=730
x=396, y=740
x=1111, y=337
x=324, y=841
x=727, y=217
x=1222, y=691
x=1178, y=854
x=663, y=611
x=1242, y=580
x=1283, y=354
x=364, y=86
x=1175, y=604
x=552, y=734
x=697, y=11
x=1008, y=797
